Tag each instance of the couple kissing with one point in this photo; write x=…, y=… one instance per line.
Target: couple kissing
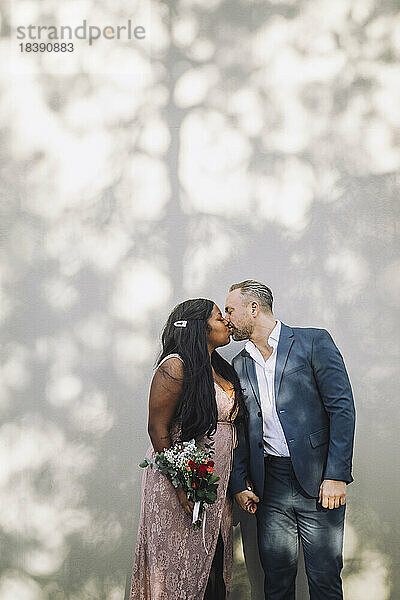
x=281, y=419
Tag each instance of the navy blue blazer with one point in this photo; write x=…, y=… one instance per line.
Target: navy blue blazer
x=315, y=406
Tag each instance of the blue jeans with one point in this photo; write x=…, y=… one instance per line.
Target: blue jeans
x=285, y=514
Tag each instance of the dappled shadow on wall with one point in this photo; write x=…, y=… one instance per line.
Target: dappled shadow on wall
x=215, y=167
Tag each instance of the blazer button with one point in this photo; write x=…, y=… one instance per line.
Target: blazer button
x=260, y=444
x=259, y=413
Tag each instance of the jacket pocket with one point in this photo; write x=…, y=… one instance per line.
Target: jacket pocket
x=294, y=369
x=317, y=438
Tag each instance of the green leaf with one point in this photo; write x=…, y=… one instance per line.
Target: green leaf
x=213, y=479
x=143, y=464
x=211, y=497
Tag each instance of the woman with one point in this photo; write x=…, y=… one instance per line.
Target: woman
x=196, y=394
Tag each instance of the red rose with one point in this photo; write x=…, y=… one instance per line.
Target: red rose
x=210, y=463
x=192, y=464
x=193, y=485
x=202, y=470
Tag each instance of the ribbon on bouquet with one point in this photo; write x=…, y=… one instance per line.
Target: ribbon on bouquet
x=196, y=511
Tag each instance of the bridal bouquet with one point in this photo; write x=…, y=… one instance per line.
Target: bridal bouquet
x=190, y=468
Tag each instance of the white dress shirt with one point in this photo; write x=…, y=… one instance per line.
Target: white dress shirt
x=274, y=438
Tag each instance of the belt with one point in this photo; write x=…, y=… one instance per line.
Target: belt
x=277, y=459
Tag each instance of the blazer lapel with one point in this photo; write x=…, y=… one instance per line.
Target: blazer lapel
x=285, y=343
x=252, y=375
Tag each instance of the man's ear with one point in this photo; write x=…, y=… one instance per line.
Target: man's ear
x=254, y=308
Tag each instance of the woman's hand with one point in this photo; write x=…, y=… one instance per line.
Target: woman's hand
x=186, y=504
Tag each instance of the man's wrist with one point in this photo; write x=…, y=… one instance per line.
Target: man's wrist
x=236, y=489
x=337, y=477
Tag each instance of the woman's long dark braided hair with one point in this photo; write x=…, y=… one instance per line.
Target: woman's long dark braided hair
x=196, y=414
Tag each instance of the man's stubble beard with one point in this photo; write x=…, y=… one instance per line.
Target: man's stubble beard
x=243, y=333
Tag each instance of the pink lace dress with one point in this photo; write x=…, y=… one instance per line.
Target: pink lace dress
x=170, y=561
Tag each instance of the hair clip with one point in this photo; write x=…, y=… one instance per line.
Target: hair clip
x=180, y=323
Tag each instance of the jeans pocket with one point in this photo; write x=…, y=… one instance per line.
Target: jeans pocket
x=296, y=487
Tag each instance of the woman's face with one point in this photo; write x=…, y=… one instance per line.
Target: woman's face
x=219, y=334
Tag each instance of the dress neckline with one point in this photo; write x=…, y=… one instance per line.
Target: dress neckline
x=225, y=392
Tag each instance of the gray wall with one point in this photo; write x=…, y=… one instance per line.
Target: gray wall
x=240, y=139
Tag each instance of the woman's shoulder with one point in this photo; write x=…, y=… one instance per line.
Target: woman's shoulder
x=172, y=365
x=170, y=356
x=168, y=375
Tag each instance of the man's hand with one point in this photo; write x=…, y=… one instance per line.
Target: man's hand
x=332, y=494
x=247, y=499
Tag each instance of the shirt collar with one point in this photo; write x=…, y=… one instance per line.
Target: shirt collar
x=273, y=339
x=276, y=332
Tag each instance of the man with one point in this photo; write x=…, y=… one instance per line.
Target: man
x=297, y=450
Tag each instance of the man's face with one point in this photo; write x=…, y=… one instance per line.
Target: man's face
x=237, y=313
